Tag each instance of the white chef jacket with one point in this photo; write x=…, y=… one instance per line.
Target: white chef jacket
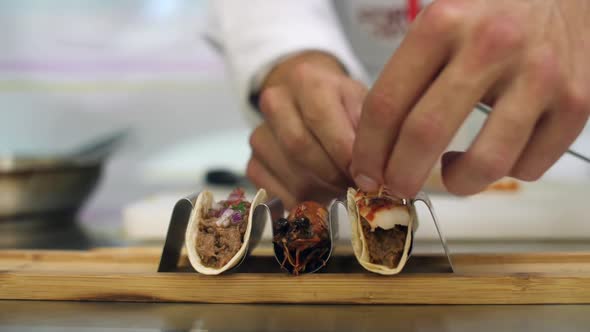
x=255, y=35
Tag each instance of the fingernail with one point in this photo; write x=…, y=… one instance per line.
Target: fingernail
x=449, y=157
x=397, y=194
x=393, y=190
x=365, y=183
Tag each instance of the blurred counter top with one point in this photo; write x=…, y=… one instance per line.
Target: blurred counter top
x=66, y=316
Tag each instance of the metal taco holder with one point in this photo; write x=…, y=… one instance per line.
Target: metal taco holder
x=273, y=209
x=423, y=197
x=177, y=229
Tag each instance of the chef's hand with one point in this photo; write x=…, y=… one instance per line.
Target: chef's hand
x=529, y=59
x=303, y=149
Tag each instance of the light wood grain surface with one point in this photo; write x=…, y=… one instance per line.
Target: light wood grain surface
x=129, y=274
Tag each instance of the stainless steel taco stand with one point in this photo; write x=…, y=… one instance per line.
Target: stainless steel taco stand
x=175, y=235
x=273, y=210
x=422, y=197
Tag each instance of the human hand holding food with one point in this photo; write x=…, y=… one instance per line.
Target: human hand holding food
x=302, y=150
x=528, y=59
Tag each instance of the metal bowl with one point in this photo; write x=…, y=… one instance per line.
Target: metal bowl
x=33, y=188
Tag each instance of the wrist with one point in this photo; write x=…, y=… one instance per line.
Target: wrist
x=284, y=70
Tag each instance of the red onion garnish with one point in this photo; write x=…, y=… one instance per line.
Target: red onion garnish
x=236, y=217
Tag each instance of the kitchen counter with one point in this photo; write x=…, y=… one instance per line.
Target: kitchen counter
x=107, y=316
x=66, y=316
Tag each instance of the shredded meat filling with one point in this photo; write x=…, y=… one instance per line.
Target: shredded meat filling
x=216, y=245
x=385, y=246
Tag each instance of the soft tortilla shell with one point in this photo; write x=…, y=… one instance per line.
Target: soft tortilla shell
x=358, y=239
x=202, y=205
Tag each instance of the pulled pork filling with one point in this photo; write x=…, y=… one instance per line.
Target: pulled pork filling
x=303, y=237
x=221, y=231
x=385, y=247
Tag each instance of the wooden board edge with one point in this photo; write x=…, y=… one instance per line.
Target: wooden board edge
x=316, y=289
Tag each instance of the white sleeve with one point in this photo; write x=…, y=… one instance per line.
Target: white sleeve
x=254, y=35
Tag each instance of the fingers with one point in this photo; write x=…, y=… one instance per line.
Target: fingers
x=304, y=147
x=265, y=148
x=294, y=137
x=284, y=177
x=262, y=177
x=432, y=124
x=440, y=104
x=499, y=144
x=353, y=94
x=553, y=136
x=322, y=110
x=514, y=141
x=403, y=80
x=451, y=59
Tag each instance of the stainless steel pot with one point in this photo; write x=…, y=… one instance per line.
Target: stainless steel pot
x=41, y=187
x=34, y=187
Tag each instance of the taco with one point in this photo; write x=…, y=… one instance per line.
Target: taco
x=302, y=239
x=218, y=233
x=382, y=228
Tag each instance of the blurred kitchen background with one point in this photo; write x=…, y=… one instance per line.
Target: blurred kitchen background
x=72, y=72
x=75, y=71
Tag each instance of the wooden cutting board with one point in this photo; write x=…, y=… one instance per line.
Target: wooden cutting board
x=129, y=274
